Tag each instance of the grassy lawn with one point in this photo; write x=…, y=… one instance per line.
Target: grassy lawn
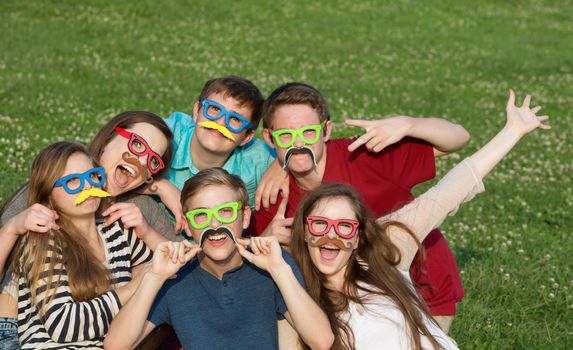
x=66, y=68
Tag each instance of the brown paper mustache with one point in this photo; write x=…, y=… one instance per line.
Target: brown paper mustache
x=141, y=170
x=314, y=241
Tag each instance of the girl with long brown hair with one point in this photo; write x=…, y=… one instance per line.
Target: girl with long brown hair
x=71, y=274
x=138, y=155
x=356, y=267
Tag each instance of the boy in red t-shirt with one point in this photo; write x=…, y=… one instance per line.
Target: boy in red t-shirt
x=384, y=164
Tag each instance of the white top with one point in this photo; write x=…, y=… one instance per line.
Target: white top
x=68, y=324
x=381, y=325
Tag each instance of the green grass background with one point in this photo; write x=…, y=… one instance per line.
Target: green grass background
x=67, y=67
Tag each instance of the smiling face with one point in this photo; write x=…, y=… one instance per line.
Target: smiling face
x=213, y=141
x=126, y=171
x=77, y=163
x=328, y=257
x=218, y=247
x=296, y=116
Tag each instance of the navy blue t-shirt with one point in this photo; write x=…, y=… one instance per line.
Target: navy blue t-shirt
x=238, y=312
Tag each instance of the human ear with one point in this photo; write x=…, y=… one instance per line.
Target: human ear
x=268, y=138
x=248, y=137
x=327, y=130
x=246, y=217
x=195, y=111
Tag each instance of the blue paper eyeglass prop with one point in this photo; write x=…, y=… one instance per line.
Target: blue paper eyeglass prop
x=74, y=183
x=233, y=121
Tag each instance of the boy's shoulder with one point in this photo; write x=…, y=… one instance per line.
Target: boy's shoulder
x=179, y=121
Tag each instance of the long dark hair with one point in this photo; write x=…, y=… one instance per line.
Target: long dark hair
x=126, y=120
x=371, y=269
x=87, y=276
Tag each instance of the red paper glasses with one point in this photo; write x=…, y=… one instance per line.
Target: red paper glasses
x=319, y=226
x=139, y=147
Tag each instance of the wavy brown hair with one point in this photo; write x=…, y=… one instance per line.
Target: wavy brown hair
x=371, y=269
x=38, y=256
x=126, y=120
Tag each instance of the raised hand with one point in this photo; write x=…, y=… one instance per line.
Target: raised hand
x=274, y=180
x=524, y=119
x=130, y=215
x=280, y=226
x=169, y=257
x=36, y=218
x=379, y=133
x=266, y=252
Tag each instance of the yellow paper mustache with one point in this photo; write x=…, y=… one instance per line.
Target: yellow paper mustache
x=220, y=128
x=92, y=192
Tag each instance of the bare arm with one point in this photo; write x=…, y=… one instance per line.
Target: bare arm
x=444, y=135
x=306, y=317
x=130, y=326
x=463, y=182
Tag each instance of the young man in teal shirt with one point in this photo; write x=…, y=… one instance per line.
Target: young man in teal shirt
x=220, y=133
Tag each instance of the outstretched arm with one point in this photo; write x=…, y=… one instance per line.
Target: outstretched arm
x=463, y=182
x=444, y=135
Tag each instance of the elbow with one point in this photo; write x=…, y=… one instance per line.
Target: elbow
x=324, y=342
x=465, y=137
x=111, y=344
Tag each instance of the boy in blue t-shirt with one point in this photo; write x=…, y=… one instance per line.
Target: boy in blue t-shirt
x=226, y=297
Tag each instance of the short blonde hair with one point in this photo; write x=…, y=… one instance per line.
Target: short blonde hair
x=214, y=176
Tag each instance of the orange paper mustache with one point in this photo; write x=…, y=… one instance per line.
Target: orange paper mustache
x=220, y=128
x=319, y=242
x=92, y=192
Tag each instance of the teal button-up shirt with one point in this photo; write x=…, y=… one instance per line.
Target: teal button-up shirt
x=249, y=162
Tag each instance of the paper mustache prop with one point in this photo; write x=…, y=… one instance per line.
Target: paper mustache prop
x=319, y=242
x=298, y=150
x=213, y=231
x=220, y=128
x=92, y=192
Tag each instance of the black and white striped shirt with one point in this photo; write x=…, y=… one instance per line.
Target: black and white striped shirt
x=78, y=325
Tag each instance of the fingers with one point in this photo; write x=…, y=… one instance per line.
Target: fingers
x=41, y=221
x=281, y=210
x=245, y=253
x=180, y=223
x=526, y=101
x=263, y=245
x=115, y=207
x=511, y=100
x=187, y=229
x=541, y=120
x=536, y=109
x=359, y=141
x=358, y=123
x=129, y=214
x=244, y=242
x=42, y=209
x=258, y=196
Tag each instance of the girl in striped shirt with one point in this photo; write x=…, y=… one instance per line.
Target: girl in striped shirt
x=72, y=278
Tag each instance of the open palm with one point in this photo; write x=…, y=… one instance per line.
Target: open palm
x=523, y=118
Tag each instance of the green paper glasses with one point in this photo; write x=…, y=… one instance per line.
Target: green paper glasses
x=225, y=213
x=285, y=138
